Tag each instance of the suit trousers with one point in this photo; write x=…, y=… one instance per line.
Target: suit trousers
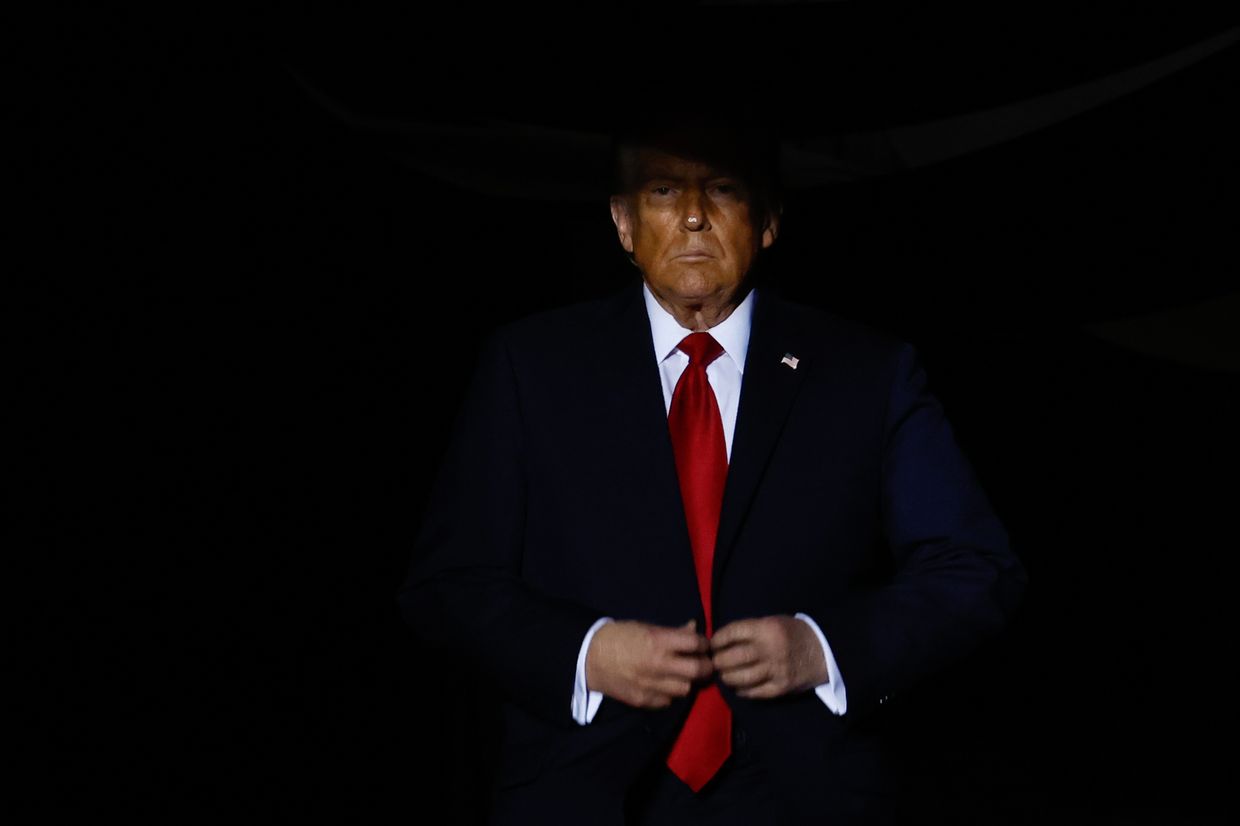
x=739, y=795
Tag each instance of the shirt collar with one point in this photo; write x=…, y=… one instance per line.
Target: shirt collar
x=732, y=333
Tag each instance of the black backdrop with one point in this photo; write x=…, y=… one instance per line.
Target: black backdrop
x=250, y=327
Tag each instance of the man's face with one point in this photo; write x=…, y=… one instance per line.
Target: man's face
x=690, y=226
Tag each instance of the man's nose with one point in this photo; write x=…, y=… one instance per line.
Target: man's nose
x=695, y=214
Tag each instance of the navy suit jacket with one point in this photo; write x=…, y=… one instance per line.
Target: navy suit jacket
x=847, y=498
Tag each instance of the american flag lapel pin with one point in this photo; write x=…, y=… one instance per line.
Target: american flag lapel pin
x=790, y=360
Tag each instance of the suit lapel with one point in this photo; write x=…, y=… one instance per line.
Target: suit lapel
x=634, y=414
x=768, y=390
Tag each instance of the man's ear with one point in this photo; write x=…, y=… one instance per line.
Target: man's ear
x=622, y=218
x=770, y=227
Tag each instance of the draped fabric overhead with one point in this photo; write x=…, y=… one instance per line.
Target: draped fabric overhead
x=523, y=106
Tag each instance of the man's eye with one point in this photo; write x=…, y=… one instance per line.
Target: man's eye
x=661, y=190
x=725, y=189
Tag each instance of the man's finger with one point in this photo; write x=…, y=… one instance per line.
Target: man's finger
x=696, y=667
x=732, y=633
x=684, y=641
x=673, y=687
x=747, y=677
x=735, y=656
x=762, y=691
x=654, y=700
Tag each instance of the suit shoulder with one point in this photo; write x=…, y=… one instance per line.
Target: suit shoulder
x=830, y=333
x=552, y=327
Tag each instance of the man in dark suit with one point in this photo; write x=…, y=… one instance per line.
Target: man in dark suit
x=696, y=535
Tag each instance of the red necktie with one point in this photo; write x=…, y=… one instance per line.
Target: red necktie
x=702, y=467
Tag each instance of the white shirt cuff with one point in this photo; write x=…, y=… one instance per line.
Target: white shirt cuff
x=586, y=702
x=831, y=692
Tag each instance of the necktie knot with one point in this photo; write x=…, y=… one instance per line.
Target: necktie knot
x=701, y=348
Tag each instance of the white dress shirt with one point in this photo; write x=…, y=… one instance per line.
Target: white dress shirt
x=724, y=374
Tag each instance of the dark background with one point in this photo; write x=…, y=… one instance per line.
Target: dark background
x=250, y=324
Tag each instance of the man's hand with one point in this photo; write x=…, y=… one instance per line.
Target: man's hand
x=768, y=657
x=646, y=665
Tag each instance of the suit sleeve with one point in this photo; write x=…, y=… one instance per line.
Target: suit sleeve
x=956, y=580
x=464, y=591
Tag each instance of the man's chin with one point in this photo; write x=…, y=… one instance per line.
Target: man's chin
x=696, y=285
